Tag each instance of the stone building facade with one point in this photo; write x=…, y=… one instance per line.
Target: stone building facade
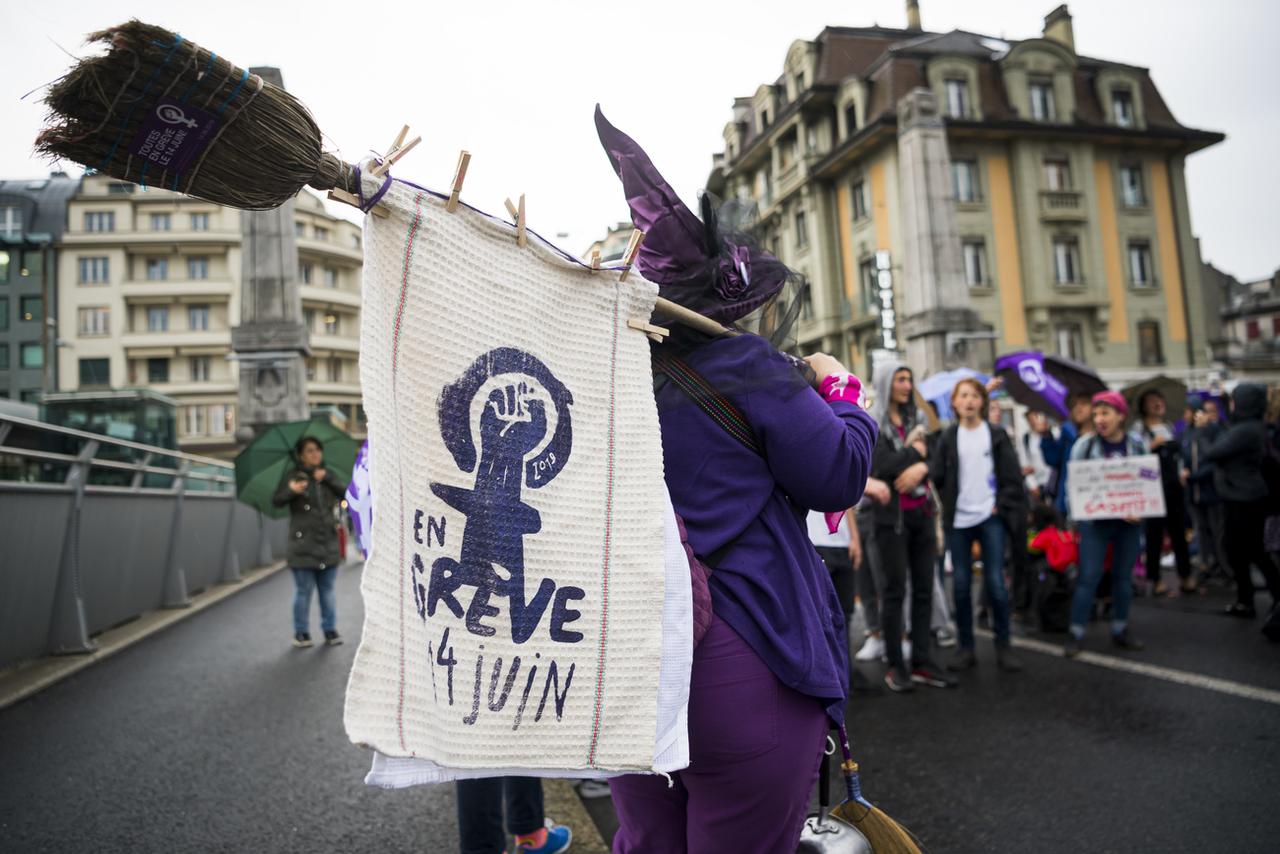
x=953, y=196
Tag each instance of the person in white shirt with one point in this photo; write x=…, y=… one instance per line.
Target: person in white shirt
x=1037, y=472
x=976, y=473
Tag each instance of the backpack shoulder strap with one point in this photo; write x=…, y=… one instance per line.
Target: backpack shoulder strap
x=710, y=400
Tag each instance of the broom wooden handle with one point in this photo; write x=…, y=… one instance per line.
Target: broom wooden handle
x=691, y=318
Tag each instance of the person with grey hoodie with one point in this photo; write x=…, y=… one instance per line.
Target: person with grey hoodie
x=904, y=527
x=1237, y=459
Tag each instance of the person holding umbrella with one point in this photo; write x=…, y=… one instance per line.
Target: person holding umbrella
x=312, y=493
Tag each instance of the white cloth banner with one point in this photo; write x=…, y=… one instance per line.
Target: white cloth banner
x=1115, y=488
x=515, y=586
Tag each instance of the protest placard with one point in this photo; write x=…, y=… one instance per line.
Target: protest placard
x=1116, y=488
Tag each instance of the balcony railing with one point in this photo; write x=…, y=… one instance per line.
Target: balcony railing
x=1061, y=204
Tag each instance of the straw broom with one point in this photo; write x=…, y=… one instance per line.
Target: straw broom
x=262, y=144
x=885, y=835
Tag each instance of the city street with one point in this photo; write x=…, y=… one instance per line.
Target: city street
x=216, y=735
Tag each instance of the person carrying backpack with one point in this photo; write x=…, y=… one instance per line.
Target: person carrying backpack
x=1197, y=476
x=1240, y=455
x=1096, y=535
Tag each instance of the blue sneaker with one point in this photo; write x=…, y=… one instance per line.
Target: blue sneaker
x=558, y=839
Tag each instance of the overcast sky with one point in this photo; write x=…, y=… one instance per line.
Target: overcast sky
x=515, y=84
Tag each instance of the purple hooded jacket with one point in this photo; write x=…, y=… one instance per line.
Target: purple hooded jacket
x=769, y=585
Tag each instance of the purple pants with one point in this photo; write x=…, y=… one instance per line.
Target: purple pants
x=755, y=746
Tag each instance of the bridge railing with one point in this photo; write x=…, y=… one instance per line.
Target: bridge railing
x=95, y=531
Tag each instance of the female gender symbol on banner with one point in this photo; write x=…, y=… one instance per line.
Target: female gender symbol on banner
x=513, y=424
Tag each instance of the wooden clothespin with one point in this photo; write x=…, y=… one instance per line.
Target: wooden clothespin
x=633, y=247
x=517, y=216
x=459, y=175
x=398, y=150
x=657, y=333
x=378, y=210
x=595, y=259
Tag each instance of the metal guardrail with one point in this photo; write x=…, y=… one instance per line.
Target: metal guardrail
x=98, y=530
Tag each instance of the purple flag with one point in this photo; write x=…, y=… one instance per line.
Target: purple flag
x=1027, y=381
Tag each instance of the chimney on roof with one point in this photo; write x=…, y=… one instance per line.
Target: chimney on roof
x=1057, y=26
x=913, y=15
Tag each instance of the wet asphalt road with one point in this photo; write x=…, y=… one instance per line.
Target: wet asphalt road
x=216, y=735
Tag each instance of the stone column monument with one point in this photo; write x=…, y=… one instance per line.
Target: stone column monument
x=271, y=341
x=940, y=330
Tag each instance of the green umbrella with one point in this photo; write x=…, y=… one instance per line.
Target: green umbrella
x=261, y=467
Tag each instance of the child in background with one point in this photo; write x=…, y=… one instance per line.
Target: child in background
x=1054, y=550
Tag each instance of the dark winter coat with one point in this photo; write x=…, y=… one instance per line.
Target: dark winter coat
x=1237, y=453
x=891, y=456
x=1195, y=442
x=944, y=471
x=313, y=522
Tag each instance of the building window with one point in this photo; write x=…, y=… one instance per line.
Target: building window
x=157, y=269
x=94, y=271
x=198, y=318
x=94, y=320
x=309, y=319
x=4, y=313
x=1150, y=350
x=11, y=222
x=329, y=276
x=157, y=370
x=32, y=264
x=199, y=222
x=31, y=309
x=1066, y=260
x=850, y=119
x=4, y=266
x=100, y=221
x=1070, y=340
x=30, y=395
x=764, y=119
x=859, y=200
x=334, y=370
x=299, y=229
x=311, y=369
x=355, y=241
x=158, y=318
x=31, y=355
x=1042, y=105
x=222, y=419
x=200, y=367
x=332, y=324
x=964, y=177
x=868, y=286
x=193, y=420
x=120, y=188
x=1131, y=193
x=957, y=92
x=198, y=267
x=95, y=372
x=1140, y=275
x=975, y=262
x=161, y=222
x=1252, y=330
x=802, y=232
x=322, y=233
x=1122, y=107
x=304, y=273
x=1057, y=174
x=4, y=363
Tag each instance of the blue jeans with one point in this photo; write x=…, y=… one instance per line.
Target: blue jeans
x=1094, y=539
x=305, y=579
x=960, y=543
x=480, y=803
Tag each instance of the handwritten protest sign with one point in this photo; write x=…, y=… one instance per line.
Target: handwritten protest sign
x=514, y=590
x=1116, y=488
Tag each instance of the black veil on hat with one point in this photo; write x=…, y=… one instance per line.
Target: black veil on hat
x=712, y=265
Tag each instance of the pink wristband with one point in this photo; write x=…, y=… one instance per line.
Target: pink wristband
x=844, y=387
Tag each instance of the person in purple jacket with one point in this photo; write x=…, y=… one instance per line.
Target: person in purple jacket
x=771, y=673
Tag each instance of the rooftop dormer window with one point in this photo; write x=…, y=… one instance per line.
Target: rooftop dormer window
x=957, y=94
x=1122, y=107
x=1043, y=108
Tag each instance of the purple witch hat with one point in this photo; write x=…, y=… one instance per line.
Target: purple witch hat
x=721, y=275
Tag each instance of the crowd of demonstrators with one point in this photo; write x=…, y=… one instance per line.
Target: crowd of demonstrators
x=1202, y=430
